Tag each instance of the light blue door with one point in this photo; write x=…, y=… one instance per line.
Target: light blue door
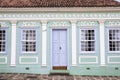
x=59, y=47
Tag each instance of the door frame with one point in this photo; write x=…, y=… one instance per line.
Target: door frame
x=68, y=55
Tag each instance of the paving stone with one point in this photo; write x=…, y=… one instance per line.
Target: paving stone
x=31, y=76
x=9, y=76
x=50, y=77
x=78, y=78
x=56, y=77
x=116, y=77
x=96, y=77
x=90, y=78
x=44, y=77
x=69, y=78
x=3, y=79
x=62, y=77
x=39, y=77
x=105, y=78
x=84, y=78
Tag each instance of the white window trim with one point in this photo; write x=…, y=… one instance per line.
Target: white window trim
x=111, y=52
x=29, y=52
x=87, y=52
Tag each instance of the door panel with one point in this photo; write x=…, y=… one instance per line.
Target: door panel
x=62, y=60
x=59, y=47
x=55, y=47
x=55, y=36
x=56, y=59
x=63, y=36
x=63, y=48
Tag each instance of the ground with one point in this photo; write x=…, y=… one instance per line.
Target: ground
x=9, y=76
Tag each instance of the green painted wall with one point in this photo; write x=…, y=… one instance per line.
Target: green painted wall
x=79, y=69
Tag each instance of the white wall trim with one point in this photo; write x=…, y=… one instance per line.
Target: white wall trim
x=59, y=27
x=34, y=57
x=102, y=43
x=13, y=44
x=80, y=62
x=5, y=60
x=109, y=62
x=74, y=63
x=44, y=43
x=61, y=9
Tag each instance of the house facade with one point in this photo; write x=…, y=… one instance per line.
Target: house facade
x=79, y=38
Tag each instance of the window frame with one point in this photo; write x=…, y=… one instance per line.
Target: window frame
x=88, y=52
x=29, y=52
x=108, y=47
x=6, y=41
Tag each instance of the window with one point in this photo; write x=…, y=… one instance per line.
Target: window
x=28, y=40
x=87, y=40
x=2, y=40
x=114, y=39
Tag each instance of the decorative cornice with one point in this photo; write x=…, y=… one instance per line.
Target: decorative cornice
x=87, y=23
x=112, y=23
x=59, y=23
x=28, y=24
x=82, y=15
x=5, y=24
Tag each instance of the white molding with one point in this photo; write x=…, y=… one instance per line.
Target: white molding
x=87, y=23
x=4, y=24
x=49, y=19
x=88, y=62
x=74, y=63
x=60, y=16
x=102, y=43
x=28, y=24
x=108, y=59
x=112, y=23
x=59, y=27
x=61, y=9
x=13, y=44
x=5, y=60
x=44, y=43
x=34, y=57
x=58, y=23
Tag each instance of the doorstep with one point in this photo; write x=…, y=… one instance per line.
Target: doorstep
x=59, y=72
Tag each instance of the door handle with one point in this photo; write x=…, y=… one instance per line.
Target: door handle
x=60, y=48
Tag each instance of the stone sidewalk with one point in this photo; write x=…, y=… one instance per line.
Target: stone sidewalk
x=54, y=77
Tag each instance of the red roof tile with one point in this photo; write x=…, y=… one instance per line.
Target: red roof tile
x=59, y=3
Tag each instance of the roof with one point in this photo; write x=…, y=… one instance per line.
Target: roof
x=58, y=3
